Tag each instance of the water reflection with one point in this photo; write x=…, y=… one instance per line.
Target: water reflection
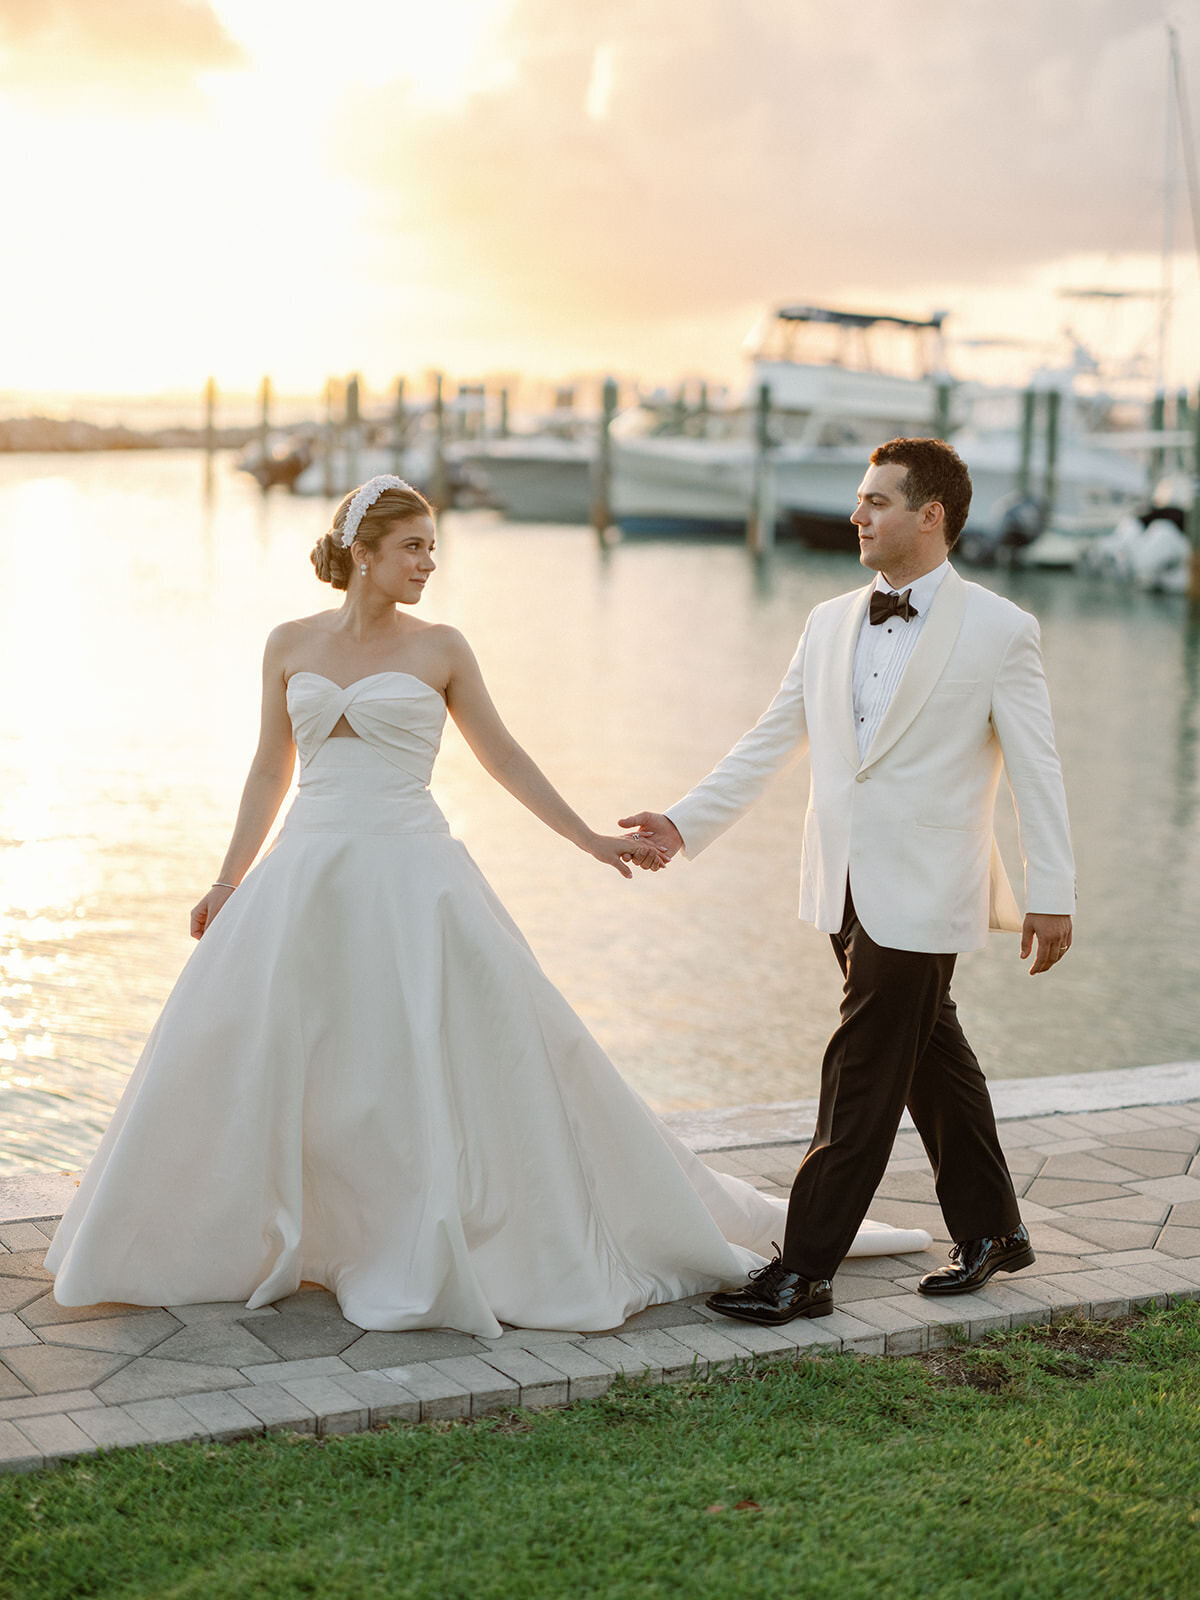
x=136, y=602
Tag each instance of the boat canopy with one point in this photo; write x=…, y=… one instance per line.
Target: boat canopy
x=858, y=319
x=857, y=341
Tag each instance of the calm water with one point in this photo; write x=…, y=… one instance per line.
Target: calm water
x=132, y=615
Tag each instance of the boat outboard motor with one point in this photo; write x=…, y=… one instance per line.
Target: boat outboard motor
x=1020, y=519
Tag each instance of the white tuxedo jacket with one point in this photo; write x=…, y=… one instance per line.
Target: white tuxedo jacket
x=910, y=824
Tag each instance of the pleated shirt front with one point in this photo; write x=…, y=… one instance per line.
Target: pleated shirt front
x=883, y=651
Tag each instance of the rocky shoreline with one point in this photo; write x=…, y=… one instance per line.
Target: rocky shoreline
x=55, y=433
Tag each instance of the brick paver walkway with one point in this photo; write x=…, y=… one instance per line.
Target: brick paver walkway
x=1112, y=1200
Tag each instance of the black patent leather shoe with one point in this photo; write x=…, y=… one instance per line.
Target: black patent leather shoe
x=774, y=1294
x=973, y=1263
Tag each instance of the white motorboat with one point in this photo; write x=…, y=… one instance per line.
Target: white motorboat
x=825, y=418
x=839, y=383
x=1150, y=549
x=340, y=469
x=537, y=477
x=541, y=471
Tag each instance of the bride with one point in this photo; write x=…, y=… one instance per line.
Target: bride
x=362, y=1077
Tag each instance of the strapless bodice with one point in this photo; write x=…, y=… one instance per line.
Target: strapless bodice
x=378, y=781
x=398, y=715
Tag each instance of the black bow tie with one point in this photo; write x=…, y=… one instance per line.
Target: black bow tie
x=885, y=605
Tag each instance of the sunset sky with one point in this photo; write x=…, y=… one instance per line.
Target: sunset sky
x=554, y=186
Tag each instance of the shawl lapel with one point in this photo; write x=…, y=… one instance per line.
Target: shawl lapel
x=845, y=641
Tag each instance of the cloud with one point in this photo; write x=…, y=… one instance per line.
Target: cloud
x=148, y=54
x=677, y=158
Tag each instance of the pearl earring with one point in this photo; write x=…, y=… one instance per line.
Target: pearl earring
x=363, y=569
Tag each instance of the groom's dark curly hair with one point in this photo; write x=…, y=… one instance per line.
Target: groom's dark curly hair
x=935, y=471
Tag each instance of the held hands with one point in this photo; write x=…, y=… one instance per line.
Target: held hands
x=618, y=851
x=659, y=829
x=657, y=839
x=206, y=910
x=1053, y=936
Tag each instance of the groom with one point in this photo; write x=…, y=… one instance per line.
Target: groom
x=909, y=696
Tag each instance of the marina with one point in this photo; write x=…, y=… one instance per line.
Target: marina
x=1057, y=465
x=807, y=424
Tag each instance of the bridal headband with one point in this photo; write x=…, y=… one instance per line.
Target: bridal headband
x=364, y=500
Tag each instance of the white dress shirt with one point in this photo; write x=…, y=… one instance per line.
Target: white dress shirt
x=882, y=653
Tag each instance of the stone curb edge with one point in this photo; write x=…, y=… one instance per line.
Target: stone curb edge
x=427, y=1391
x=790, y=1121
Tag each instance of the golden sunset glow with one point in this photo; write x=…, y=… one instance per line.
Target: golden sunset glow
x=239, y=187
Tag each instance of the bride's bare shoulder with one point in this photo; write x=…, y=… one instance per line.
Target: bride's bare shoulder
x=299, y=628
x=449, y=644
x=434, y=632
x=289, y=638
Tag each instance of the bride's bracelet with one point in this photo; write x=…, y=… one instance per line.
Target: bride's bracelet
x=222, y=885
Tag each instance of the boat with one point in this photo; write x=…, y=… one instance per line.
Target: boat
x=280, y=461
x=1149, y=549
x=542, y=473
x=537, y=477
x=1046, y=512
x=336, y=469
x=839, y=382
x=826, y=415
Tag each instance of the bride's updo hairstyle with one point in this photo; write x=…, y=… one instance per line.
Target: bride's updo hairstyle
x=332, y=562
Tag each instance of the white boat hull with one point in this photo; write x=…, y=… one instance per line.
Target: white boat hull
x=672, y=480
x=535, y=481
x=345, y=469
x=675, y=480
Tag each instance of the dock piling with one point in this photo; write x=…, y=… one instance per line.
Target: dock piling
x=399, y=430
x=329, y=440
x=439, y=485
x=1028, y=423
x=264, y=416
x=353, y=429
x=941, y=411
x=1158, y=421
x=1050, y=479
x=210, y=438
x=210, y=416
x=760, y=524
x=1193, y=516
x=602, y=461
x=1184, y=423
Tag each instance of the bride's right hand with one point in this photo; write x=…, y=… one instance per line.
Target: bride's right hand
x=206, y=910
x=616, y=852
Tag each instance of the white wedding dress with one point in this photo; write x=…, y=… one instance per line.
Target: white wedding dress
x=364, y=1079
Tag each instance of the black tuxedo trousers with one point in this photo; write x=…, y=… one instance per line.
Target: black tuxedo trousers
x=899, y=1043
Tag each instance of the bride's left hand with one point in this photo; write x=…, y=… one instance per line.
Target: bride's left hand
x=619, y=851
x=205, y=910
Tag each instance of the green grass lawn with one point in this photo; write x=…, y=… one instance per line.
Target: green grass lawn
x=1051, y=1462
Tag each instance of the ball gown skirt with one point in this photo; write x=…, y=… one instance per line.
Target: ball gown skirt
x=364, y=1079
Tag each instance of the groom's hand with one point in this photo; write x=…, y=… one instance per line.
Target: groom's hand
x=660, y=830
x=1053, y=935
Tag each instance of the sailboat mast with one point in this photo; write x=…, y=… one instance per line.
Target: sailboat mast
x=1167, y=288
x=1187, y=139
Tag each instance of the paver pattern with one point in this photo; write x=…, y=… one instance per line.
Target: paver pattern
x=1111, y=1198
